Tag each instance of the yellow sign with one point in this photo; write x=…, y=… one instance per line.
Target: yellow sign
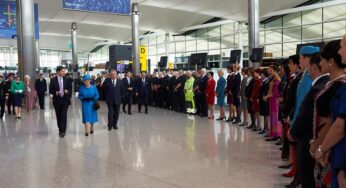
x=143, y=58
x=171, y=66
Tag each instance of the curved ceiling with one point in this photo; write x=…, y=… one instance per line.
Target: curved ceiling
x=166, y=16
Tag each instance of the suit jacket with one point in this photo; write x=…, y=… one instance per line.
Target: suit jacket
x=54, y=87
x=41, y=86
x=8, y=87
x=142, y=89
x=128, y=85
x=3, y=90
x=288, y=108
x=165, y=83
x=203, y=84
x=113, y=94
x=236, y=84
x=243, y=87
x=303, y=126
x=248, y=90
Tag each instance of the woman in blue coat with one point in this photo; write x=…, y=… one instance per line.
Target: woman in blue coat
x=220, y=94
x=89, y=95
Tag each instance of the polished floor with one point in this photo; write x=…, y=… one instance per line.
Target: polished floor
x=160, y=150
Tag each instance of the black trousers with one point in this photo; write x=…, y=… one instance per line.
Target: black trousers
x=204, y=105
x=175, y=101
x=239, y=111
x=156, y=98
x=127, y=101
x=61, y=107
x=10, y=104
x=198, y=103
x=305, y=163
x=181, y=102
x=113, y=115
x=2, y=105
x=41, y=99
x=286, y=144
x=142, y=100
x=150, y=98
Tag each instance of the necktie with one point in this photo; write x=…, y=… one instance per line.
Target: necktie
x=113, y=83
x=143, y=82
x=61, y=90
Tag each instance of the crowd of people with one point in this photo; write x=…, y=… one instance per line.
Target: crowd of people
x=301, y=105
x=13, y=91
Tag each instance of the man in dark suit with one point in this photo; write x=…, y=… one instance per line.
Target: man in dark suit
x=203, y=97
x=180, y=92
x=114, y=90
x=142, y=92
x=10, y=77
x=171, y=94
x=302, y=129
x=3, y=87
x=128, y=85
x=41, y=88
x=165, y=90
x=61, y=89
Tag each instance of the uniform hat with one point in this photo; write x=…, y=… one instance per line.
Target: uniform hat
x=309, y=50
x=86, y=77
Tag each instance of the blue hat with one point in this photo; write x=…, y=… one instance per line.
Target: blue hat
x=309, y=50
x=86, y=77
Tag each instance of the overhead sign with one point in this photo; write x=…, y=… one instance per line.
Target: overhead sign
x=103, y=6
x=8, y=21
x=171, y=66
x=143, y=58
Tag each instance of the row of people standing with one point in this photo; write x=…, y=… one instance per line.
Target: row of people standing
x=313, y=121
x=14, y=90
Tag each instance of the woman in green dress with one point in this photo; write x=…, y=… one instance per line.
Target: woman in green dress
x=17, y=90
x=189, y=95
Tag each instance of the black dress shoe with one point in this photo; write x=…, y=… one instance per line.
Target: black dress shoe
x=86, y=134
x=270, y=139
x=62, y=135
x=129, y=113
x=237, y=122
x=285, y=166
x=115, y=127
x=146, y=112
x=109, y=129
x=293, y=184
x=244, y=124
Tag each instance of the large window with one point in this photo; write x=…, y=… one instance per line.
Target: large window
x=279, y=36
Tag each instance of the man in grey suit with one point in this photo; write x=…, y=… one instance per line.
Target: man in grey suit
x=114, y=90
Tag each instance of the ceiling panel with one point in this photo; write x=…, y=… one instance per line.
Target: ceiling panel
x=95, y=18
x=156, y=15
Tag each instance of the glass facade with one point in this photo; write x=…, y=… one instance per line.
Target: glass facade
x=279, y=36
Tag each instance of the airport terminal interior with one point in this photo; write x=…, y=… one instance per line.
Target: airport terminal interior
x=232, y=93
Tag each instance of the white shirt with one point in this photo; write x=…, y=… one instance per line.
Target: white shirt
x=114, y=82
x=249, y=80
x=61, y=81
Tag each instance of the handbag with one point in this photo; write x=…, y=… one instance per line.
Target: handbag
x=97, y=106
